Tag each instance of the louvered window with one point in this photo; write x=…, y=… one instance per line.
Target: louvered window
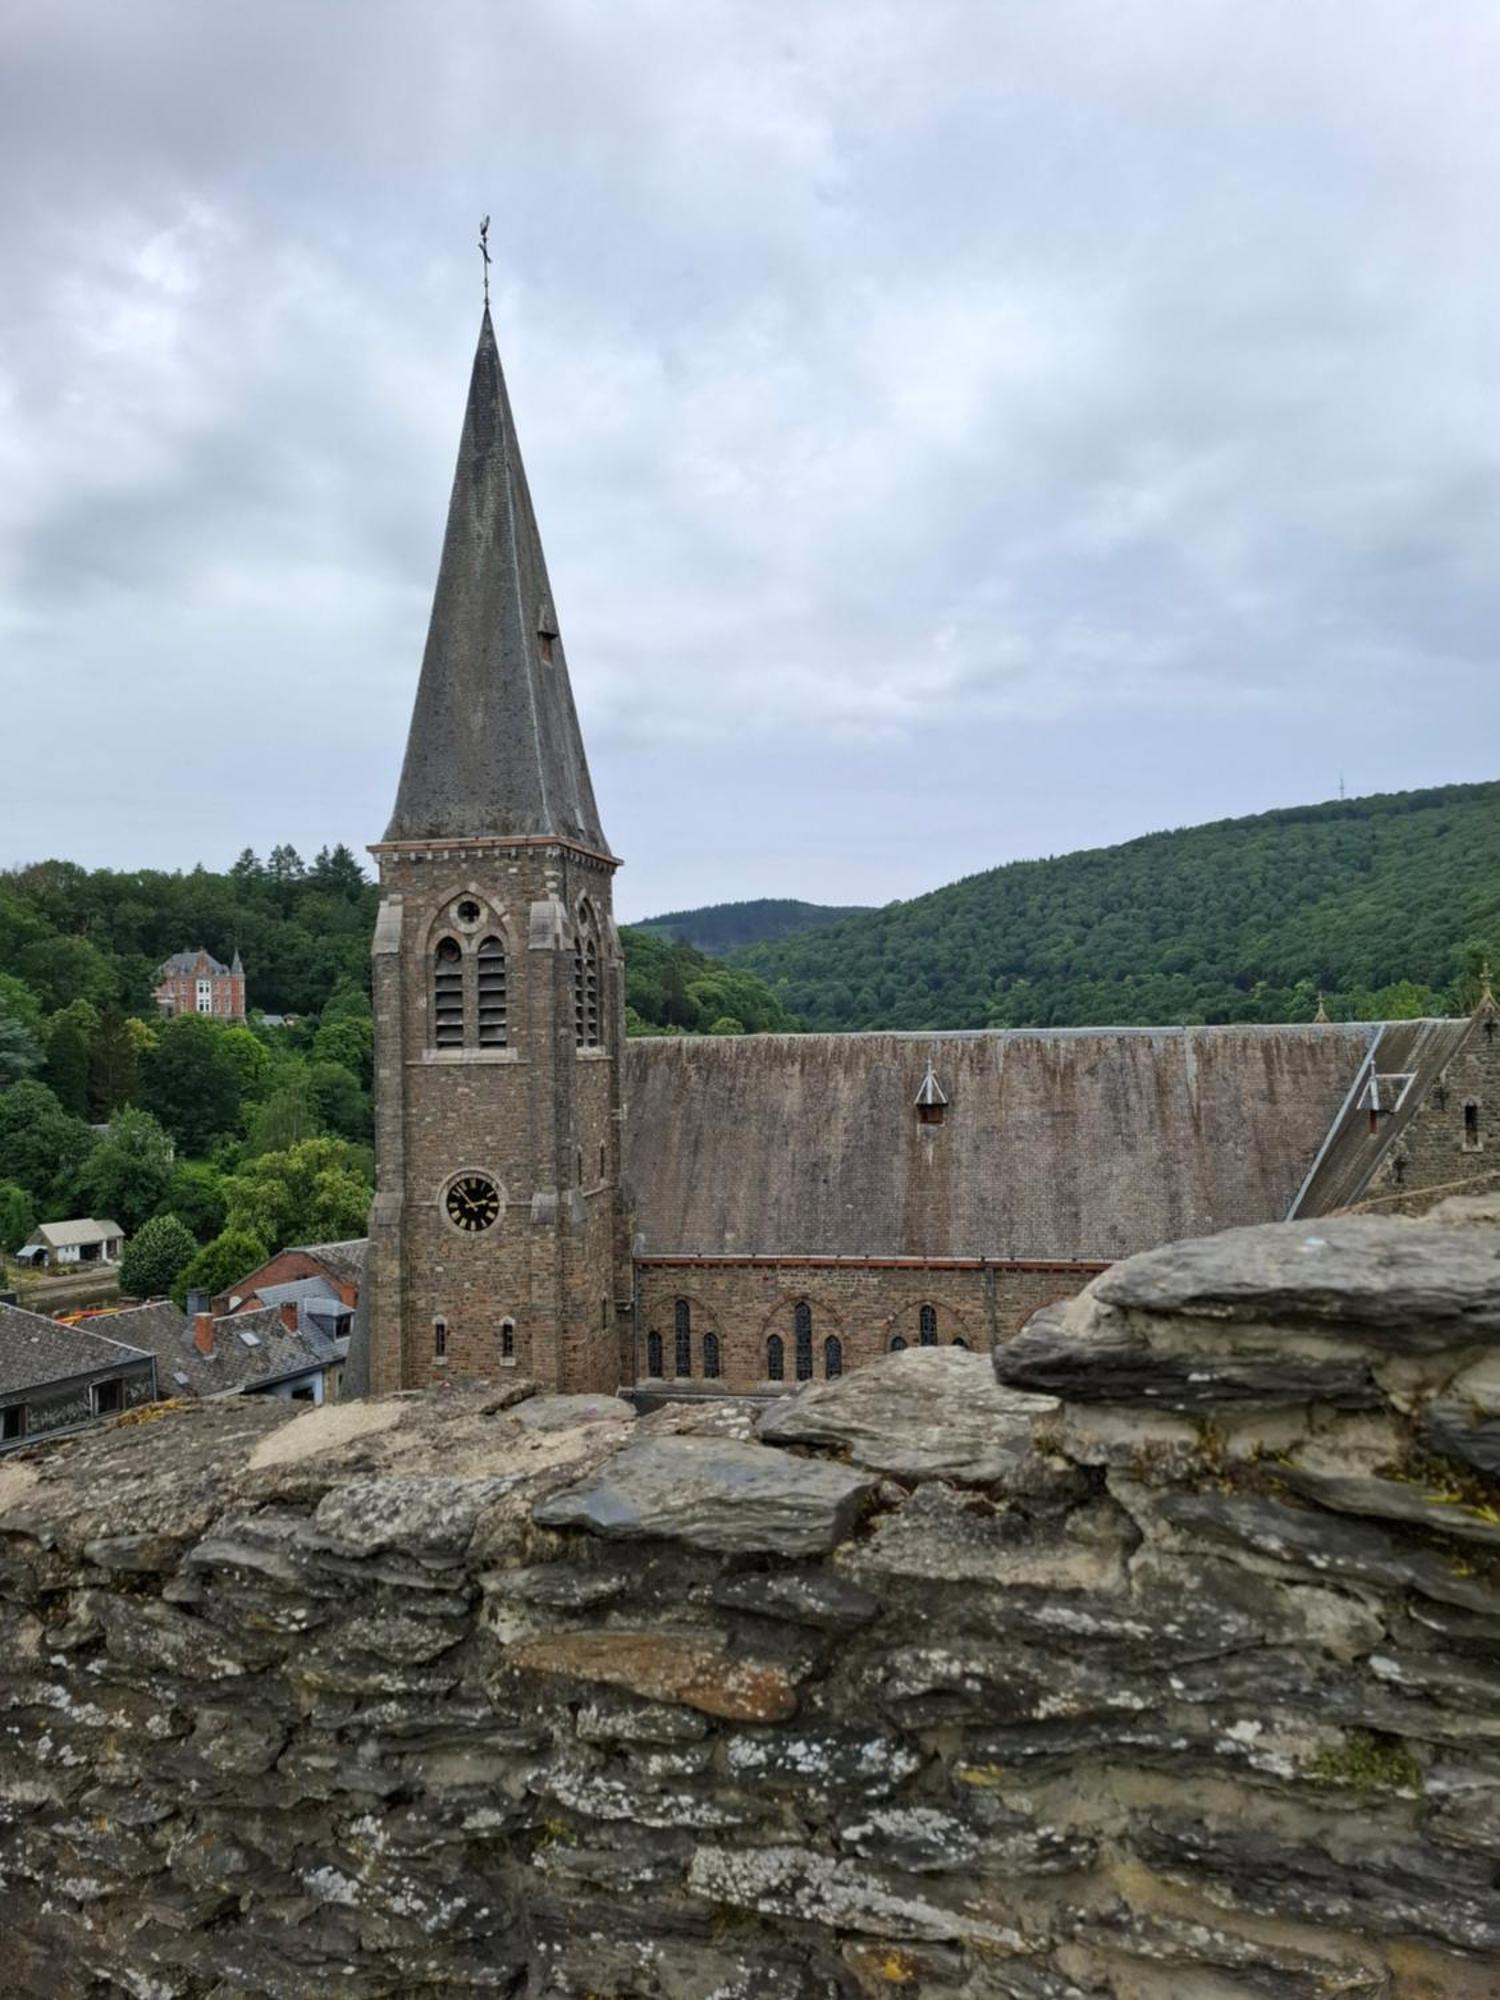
x=586, y=992
x=494, y=1032
x=448, y=994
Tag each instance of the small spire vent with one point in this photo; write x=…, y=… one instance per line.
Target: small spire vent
x=932, y=1101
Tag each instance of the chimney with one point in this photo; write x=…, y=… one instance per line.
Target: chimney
x=203, y=1333
x=289, y=1315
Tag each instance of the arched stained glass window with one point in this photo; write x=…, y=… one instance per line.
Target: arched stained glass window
x=448, y=994
x=833, y=1356
x=927, y=1326
x=776, y=1358
x=959, y=1341
x=493, y=1024
x=653, y=1354
x=898, y=1343
x=802, y=1328
x=682, y=1328
x=711, y=1356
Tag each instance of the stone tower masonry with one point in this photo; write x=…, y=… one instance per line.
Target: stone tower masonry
x=498, y=1233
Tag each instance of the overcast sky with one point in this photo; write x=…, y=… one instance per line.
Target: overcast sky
x=959, y=430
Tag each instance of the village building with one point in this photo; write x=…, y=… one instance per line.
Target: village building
x=56, y=1378
x=745, y=1213
x=194, y=982
x=59, y=1246
x=269, y=1350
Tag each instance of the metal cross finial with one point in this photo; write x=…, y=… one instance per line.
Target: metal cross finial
x=484, y=251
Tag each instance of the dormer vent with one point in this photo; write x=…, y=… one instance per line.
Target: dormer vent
x=932, y=1102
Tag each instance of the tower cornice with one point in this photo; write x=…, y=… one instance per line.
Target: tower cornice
x=478, y=847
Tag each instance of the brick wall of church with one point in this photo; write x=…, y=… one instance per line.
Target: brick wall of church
x=863, y=1305
x=536, y=1115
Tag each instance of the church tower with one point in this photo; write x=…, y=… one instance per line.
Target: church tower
x=498, y=1237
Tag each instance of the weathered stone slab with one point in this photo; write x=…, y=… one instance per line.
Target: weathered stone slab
x=562, y=1413
x=806, y=1597
x=1411, y=1286
x=714, y=1494
x=364, y=1515
x=696, y=1668
x=926, y=1413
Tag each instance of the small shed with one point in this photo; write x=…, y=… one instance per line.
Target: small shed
x=85, y=1241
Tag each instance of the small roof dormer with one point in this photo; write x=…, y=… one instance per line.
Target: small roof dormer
x=931, y=1099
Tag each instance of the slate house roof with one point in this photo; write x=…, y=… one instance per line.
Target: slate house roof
x=65, y=1235
x=35, y=1351
x=345, y=1260
x=271, y=1353
x=1067, y=1144
x=185, y=963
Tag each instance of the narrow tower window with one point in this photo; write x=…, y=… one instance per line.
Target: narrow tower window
x=927, y=1325
x=1472, y=1141
x=586, y=981
x=776, y=1358
x=682, y=1328
x=448, y=994
x=711, y=1356
x=802, y=1327
x=833, y=1356
x=440, y=1340
x=493, y=1032
x=653, y=1353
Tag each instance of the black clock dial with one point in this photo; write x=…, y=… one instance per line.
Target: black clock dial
x=472, y=1202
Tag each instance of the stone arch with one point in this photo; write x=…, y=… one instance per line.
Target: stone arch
x=905, y=1324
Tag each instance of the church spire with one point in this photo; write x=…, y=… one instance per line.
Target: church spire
x=494, y=747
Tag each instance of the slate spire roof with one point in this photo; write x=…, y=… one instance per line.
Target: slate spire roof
x=494, y=746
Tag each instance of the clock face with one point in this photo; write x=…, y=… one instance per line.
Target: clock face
x=472, y=1202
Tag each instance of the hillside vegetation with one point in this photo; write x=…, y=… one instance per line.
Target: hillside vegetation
x=1386, y=904
x=723, y=927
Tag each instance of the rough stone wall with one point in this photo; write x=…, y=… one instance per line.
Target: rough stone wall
x=539, y=1116
x=864, y=1305
x=1166, y=1667
x=1434, y=1158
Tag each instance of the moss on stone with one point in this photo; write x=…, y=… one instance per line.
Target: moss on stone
x=1369, y=1763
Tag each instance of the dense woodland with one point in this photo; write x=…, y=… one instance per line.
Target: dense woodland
x=213, y=1145
x=1385, y=904
x=722, y=927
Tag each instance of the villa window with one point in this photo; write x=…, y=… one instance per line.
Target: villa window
x=493, y=1021
x=448, y=994
x=776, y=1358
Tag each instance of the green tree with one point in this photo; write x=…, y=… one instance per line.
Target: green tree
x=348, y=1041
x=42, y=1148
x=155, y=1257
x=341, y=1106
x=289, y=1114
x=727, y=1025
x=17, y=1216
x=195, y=1195
x=127, y=1175
x=69, y=1046
x=191, y=1082
x=317, y=1191
x=20, y=1052
x=252, y=1061
x=115, y=1063
x=231, y=1256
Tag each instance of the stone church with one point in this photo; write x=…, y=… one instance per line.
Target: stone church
x=742, y=1212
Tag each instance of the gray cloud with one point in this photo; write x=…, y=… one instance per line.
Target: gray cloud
x=957, y=431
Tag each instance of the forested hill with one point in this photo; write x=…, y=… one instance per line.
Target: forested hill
x=1386, y=904
x=722, y=927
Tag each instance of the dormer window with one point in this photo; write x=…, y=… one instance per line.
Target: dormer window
x=932, y=1101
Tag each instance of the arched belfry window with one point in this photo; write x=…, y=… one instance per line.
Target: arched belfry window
x=776, y=1358
x=802, y=1328
x=586, y=981
x=448, y=994
x=682, y=1338
x=494, y=1031
x=711, y=1362
x=833, y=1356
x=653, y=1354
x=927, y=1326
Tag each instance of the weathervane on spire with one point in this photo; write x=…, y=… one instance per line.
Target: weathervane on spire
x=484, y=251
